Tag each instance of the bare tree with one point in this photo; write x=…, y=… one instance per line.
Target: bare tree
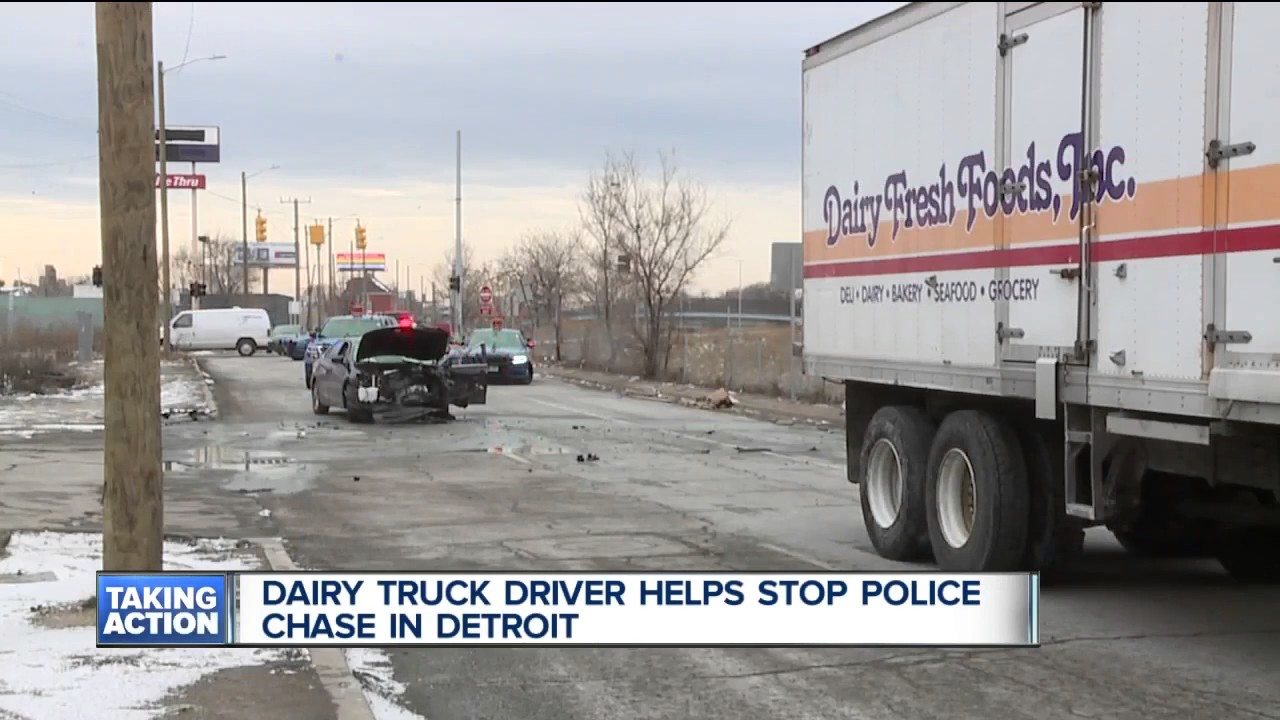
x=598, y=213
x=665, y=234
x=215, y=266
x=550, y=269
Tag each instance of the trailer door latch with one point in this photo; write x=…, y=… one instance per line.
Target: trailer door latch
x=1067, y=273
x=1008, y=42
x=1214, y=336
x=1004, y=333
x=1218, y=151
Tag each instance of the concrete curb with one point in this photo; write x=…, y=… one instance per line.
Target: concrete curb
x=209, y=402
x=688, y=396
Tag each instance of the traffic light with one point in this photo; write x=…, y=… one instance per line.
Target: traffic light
x=362, y=237
x=97, y=276
x=262, y=228
x=198, y=290
x=316, y=234
x=455, y=283
x=624, y=263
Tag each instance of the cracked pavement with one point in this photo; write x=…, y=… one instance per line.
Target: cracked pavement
x=674, y=488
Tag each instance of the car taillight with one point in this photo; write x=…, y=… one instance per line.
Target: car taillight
x=406, y=322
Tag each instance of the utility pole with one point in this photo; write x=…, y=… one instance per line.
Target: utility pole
x=164, y=211
x=297, y=253
x=333, y=281
x=133, y=484
x=456, y=300
x=244, y=234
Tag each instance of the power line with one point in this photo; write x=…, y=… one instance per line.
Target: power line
x=55, y=163
x=186, y=51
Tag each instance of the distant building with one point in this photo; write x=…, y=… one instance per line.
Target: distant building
x=786, y=269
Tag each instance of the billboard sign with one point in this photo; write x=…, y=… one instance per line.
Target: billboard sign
x=266, y=255
x=359, y=261
x=191, y=144
x=183, y=181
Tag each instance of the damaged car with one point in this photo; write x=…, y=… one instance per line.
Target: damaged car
x=399, y=374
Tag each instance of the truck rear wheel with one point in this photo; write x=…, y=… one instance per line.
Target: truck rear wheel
x=1054, y=540
x=1250, y=555
x=977, y=495
x=894, y=458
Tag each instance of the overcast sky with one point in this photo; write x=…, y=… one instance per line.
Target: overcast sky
x=358, y=104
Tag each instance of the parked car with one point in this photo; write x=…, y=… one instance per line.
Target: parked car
x=505, y=352
x=279, y=334
x=244, y=330
x=340, y=327
x=295, y=346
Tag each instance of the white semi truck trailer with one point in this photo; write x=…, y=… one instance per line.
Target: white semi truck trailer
x=1042, y=253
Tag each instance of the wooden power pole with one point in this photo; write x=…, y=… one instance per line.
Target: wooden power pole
x=133, y=493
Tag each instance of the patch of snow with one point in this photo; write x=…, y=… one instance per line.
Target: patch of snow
x=381, y=690
x=55, y=673
x=80, y=409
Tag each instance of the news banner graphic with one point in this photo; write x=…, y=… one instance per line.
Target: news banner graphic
x=309, y=609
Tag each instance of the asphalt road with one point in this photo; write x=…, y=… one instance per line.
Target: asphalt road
x=680, y=488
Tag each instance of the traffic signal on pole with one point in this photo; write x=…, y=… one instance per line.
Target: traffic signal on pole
x=624, y=263
x=97, y=276
x=198, y=290
x=316, y=233
x=362, y=237
x=262, y=228
x=455, y=283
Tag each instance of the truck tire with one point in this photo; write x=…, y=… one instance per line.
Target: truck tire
x=1054, y=539
x=1250, y=556
x=977, y=495
x=246, y=347
x=893, y=461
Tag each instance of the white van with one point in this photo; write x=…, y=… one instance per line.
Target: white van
x=241, y=329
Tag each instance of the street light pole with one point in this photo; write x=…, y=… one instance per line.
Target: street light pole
x=164, y=191
x=457, y=248
x=244, y=229
x=164, y=211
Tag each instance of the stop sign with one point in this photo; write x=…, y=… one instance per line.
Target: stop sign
x=486, y=295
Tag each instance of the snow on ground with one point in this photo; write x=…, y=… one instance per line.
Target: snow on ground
x=55, y=673
x=182, y=390
x=381, y=690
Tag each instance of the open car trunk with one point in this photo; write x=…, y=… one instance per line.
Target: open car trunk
x=403, y=372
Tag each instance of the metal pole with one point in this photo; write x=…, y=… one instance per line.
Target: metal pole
x=333, y=280
x=244, y=234
x=456, y=300
x=164, y=211
x=304, y=250
x=792, y=350
x=297, y=266
x=739, y=293
x=195, y=235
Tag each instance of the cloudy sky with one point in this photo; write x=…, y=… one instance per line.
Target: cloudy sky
x=358, y=103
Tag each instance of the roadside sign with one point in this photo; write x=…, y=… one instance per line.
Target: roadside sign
x=486, y=309
x=486, y=296
x=190, y=144
x=183, y=181
x=497, y=323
